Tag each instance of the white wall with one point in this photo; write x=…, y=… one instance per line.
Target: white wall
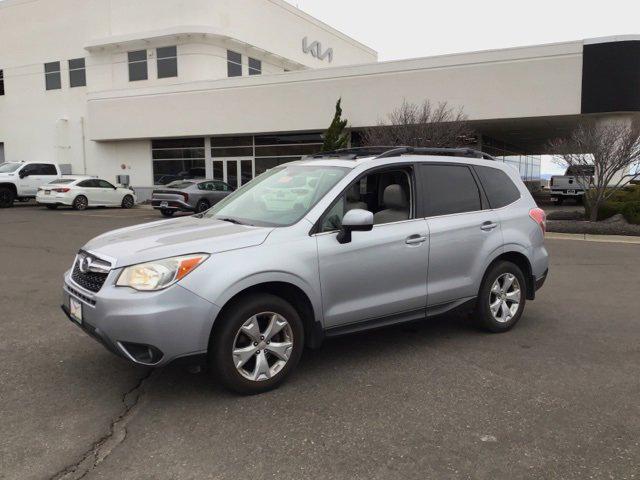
x=47, y=125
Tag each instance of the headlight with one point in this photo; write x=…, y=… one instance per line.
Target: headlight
x=159, y=274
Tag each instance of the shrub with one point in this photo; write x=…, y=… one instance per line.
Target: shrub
x=631, y=212
x=607, y=210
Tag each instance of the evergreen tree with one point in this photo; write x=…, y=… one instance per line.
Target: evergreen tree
x=335, y=137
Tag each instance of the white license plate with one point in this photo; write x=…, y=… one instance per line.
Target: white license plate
x=164, y=204
x=47, y=192
x=75, y=309
x=571, y=192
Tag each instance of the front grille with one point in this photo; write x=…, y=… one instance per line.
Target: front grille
x=76, y=293
x=91, y=281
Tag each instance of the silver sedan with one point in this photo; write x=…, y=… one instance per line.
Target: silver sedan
x=189, y=196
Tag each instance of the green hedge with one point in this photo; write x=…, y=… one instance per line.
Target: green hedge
x=625, y=201
x=631, y=212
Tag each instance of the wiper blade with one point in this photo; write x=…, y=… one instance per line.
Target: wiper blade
x=230, y=220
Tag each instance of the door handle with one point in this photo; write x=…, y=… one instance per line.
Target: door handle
x=488, y=226
x=415, y=239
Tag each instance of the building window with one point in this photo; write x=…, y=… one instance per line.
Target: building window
x=167, y=62
x=177, y=159
x=255, y=66
x=77, y=73
x=1, y=82
x=234, y=64
x=137, y=65
x=274, y=150
x=52, y=76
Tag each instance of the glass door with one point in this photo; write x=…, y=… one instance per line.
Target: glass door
x=234, y=171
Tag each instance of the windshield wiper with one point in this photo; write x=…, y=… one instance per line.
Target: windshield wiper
x=230, y=220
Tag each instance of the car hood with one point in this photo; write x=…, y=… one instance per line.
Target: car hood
x=169, y=238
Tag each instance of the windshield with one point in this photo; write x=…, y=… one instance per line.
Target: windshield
x=179, y=184
x=9, y=167
x=279, y=197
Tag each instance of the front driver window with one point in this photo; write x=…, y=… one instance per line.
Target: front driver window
x=387, y=194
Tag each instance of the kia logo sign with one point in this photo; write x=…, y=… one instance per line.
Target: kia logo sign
x=315, y=49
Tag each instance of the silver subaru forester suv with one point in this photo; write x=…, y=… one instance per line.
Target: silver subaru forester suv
x=324, y=246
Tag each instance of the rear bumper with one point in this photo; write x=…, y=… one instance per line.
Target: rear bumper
x=539, y=282
x=172, y=205
x=53, y=200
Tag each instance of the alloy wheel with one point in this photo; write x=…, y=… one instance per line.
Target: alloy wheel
x=262, y=346
x=505, y=297
x=81, y=203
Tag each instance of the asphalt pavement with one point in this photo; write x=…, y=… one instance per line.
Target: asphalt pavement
x=557, y=397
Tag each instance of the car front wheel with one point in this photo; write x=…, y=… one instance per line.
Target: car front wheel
x=256, y=344
x=7, y=196
x=502, y=297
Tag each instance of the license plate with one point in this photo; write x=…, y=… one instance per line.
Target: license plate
x=75, y=310
x=47, y=192
x=164, y=204
x=571, y=191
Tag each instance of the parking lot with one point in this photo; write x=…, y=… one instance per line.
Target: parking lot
x=557, y=397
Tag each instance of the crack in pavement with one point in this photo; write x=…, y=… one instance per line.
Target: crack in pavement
x=101, y=449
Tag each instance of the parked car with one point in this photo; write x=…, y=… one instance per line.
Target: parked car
x=195, y=195
x=572, y=184
x=82, y=192
x=20, y=180
x=397, y=237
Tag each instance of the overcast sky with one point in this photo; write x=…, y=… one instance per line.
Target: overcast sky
x=418, y=28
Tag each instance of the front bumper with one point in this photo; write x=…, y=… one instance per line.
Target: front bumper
x=146, y=328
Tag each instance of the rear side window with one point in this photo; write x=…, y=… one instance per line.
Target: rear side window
x=88, y=184
x=498, y=186
x=48, y=169
x=449, y=189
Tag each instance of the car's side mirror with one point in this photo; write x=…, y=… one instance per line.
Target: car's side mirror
x=23, y=174
x=355, y=220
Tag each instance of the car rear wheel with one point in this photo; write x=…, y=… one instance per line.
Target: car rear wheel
x=80, y=203
x=167, y=213
x=256, y=344
x=202, y=206
x=7, y=196
x=502, y=297
x=52, y=207
x=127, y=201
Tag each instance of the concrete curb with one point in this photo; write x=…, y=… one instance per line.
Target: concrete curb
x=587, y=237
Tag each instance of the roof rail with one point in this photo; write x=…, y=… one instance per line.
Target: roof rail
x=385, y=152
x=452, y=152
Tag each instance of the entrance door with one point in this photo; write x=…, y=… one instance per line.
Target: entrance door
x=233, y=171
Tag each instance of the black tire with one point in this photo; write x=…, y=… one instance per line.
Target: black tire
x=483, y=313
x=51, y=207
x=127, y=202
x=7, y=196
x=224, y=335
x=80, y=203
x=202, y=206
x=559, y=201
x=167, y=213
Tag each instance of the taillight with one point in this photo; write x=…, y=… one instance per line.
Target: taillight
x=61, y=190
x=538, y=216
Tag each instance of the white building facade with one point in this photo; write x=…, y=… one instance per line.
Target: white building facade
x=159, y=89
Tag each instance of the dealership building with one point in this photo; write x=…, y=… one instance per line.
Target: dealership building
x=159, y=89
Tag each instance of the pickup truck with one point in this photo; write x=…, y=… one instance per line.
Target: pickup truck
x=20, y=180
x=571, y=184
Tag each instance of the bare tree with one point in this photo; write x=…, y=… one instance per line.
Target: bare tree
x=604, y=156
x=421, y=125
